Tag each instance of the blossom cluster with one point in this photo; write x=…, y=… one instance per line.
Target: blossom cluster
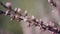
x=15, y=14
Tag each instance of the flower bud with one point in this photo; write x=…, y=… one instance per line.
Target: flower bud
x=55, y=28
x=12, y=16
x=49, y=1
x=25, y=13
x=42, y=29
x=41, y=22
x=33, y=18
x=8, y=4
x=37, y=20
x=16, y=9
x=36, y=23
x=53, y=33
x=52, y=3
x=7, y=12
x=19, y=11
x=26, y=19
x=16, y=16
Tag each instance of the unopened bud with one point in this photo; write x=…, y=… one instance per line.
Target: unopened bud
x=55, y=28
x=52, y=3
x=41, y=22
x=19, y=10
x=42, y=29
x=53, y=33
x=8, y=4
x=36, y=23
x=12, y=17
x=49, y=1
x=16, y=16
x=7, y=12
x=40, y=19
x=37, y=20
x=26, y=19
x=46, y=24
x=25, y=13
x=33, y=18
x=16, y=9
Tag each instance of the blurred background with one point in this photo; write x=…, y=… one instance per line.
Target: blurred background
x=38, y=8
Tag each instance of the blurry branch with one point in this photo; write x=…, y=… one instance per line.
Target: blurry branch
x=16, y=14
x=2, y=12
